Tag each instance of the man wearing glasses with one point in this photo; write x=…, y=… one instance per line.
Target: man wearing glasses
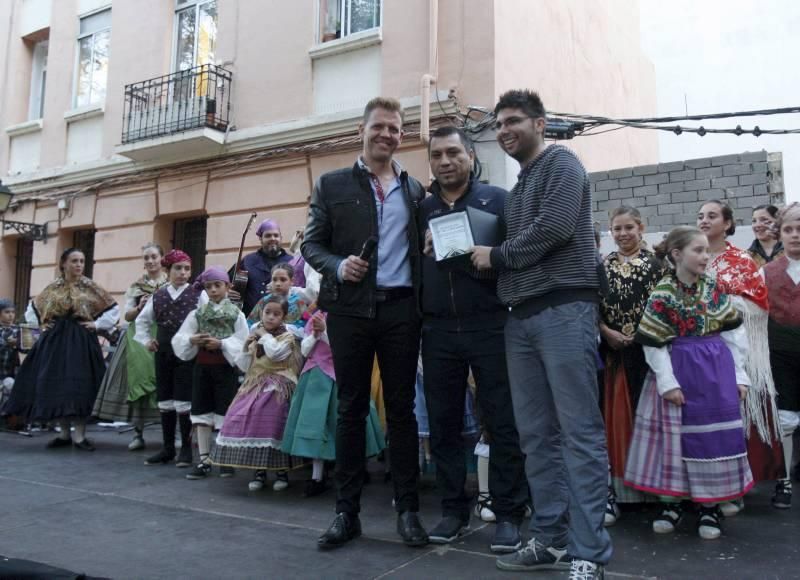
x=549, y=280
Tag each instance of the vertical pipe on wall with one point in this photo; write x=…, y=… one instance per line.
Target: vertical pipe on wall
x=429, y=78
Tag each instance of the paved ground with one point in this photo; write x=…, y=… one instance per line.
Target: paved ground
x=106, y=514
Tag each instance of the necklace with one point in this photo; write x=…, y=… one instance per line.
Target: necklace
x=628, y=257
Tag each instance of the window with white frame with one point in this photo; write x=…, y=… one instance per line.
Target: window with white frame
x=341, y=18
x=94, y=41
x=195, y=33
x=38, y=81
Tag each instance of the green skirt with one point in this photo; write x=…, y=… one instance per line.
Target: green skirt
x=311, y=426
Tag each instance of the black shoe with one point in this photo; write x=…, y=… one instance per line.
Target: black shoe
x=199, y=471
x=163, y=456
x=185, y=456
x=314, y=487
x=782, y=499
x=506, y=538
x=448, y=530
x=410, y=529
x=345, y=527
x=535, y=556
x=59, y=442
x=83, y=445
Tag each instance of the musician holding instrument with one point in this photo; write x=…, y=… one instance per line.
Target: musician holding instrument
x=254, y=272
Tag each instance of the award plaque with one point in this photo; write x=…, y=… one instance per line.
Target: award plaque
x=452, y=235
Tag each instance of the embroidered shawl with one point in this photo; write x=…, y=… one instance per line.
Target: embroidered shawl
x=675, y=310
x=145, y=286
x=82, y=299
x=737, y=274
x=629, y=286
x=218, y=322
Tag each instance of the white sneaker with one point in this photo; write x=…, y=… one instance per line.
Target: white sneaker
x=585, y=570
x=136, y=444
x=708, y=523
x=259, y=480
x=731, y=508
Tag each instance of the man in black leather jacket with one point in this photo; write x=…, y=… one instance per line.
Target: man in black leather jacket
x=373, y=309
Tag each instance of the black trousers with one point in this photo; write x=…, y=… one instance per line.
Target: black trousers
x=447, y=357
x=393, y=335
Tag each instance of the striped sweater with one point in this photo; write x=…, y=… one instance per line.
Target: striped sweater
x=549, y=256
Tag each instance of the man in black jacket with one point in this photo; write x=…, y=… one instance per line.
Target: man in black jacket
x=462, y=329
x=373, y=309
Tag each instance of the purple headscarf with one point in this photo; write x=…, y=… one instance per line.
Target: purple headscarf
x=212, y=274
x=267, y=224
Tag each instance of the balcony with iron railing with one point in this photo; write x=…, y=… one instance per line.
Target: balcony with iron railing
x=184, y=113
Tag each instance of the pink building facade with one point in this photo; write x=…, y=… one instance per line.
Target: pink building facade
x=127, y=121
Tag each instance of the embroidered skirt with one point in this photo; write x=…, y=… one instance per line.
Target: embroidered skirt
x=697, y=450
x=311, y=426
x=252, y=434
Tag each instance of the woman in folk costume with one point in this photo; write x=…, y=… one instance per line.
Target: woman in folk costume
x=782, y=276
x=767, y=243
x=167, y=309
x=60, y=377
x=252, y=434
x=632, y=272
x=212, y=336
x=737, y=275
x=128, y=390
x=688, y=439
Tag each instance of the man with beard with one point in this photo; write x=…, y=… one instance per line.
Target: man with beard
x=463, y=328
x=258, y=265
x=372, y=305
x=549, y=280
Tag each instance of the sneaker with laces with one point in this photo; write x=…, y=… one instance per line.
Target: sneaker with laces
x=669, y=518
x=585, y=570
x=782, y=499
x=535, y=556
x=282, y=481
x=199, y=471
x=708, y=522
x=259, y=481
x=612, y=509
x=483, y=509
x=731, y=508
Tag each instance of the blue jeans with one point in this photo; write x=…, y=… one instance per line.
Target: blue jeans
x=551, y=366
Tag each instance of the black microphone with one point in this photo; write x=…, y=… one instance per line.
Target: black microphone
x=369, y=248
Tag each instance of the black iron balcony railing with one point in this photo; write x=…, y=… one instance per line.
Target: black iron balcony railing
x=185, y=100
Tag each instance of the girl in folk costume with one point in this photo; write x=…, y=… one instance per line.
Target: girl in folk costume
x=298, y=299
x=9, y=348
x=688, y=439
x=59, y=379
x=168, y=308
x=632, y=272
x=737, y=275
x=252, y=434
x=128, y=390
x=311, y=425
x=767, y=244
x=212, y=336
x=783, y=283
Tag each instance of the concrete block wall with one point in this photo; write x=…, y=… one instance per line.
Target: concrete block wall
x=669, y=194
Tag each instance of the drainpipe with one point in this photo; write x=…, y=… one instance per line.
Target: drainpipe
x=429, y=79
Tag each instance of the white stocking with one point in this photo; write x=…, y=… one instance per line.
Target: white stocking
x=203, y=440
x=317, y=470
x=483, y=475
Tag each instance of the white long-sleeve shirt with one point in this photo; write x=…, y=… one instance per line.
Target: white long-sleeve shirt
x=147, y=316
x=231, y=346
x=660, y=361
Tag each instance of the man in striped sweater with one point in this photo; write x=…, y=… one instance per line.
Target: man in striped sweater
x=549, y=280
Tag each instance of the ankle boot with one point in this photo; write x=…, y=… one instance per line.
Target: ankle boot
x=169, y=420
x=185, y=455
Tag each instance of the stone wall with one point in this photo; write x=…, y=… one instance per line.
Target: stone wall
x=669, y=194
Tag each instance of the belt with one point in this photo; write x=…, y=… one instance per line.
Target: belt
x=391, y=294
